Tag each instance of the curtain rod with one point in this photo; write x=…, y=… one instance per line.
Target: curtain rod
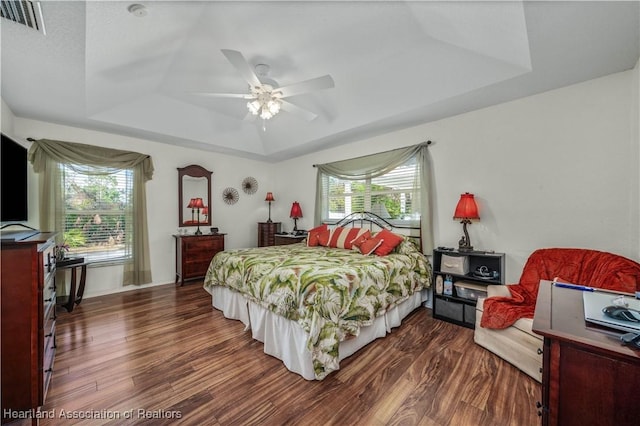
x=428, y=142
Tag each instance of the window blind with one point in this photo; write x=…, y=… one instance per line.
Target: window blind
x=390, y=196
x=98, y=222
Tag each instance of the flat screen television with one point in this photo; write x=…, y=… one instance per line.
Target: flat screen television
x=14, y=208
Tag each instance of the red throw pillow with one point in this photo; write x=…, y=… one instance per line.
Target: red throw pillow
x=342, y=237
x=389, y=242
x=323, y=237
x=357, y=242
x=369, y=246
x=312, y=235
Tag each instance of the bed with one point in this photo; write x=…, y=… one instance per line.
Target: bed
x=312, y=306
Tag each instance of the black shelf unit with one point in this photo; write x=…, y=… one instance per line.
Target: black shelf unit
x=456, y=309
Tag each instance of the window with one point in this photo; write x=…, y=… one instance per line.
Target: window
x=98, y=221
x=391, y=196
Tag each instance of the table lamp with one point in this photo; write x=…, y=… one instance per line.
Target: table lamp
x=269, y=198
x=296, y=213
x=192, y=206
x=197, y=204
x=466, y=210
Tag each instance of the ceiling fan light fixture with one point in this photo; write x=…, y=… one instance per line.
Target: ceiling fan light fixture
x=266, y=104
x=265, y=114
x=265, y=97
x=274, y=106
x=254, y=107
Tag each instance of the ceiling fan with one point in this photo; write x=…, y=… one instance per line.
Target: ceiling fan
x=265, y=99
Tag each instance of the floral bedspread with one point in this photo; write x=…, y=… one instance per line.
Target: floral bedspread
x=330, y=292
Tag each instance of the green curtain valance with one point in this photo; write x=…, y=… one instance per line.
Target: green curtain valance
x=374, y=165
x=46, y=155
x=371, y=166
x=77, y=153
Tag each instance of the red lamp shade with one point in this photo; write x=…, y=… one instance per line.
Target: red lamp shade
x=269, y=197
x=466, y=208
x=192, y=203
x=197, y=203
x=296, y=211
x=205, y=211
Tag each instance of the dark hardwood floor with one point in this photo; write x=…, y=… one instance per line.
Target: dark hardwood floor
x=163, y=352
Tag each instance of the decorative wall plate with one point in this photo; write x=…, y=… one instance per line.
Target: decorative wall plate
x=249, y=185
x=230, y=195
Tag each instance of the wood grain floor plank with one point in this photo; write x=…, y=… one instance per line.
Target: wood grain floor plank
x=166, y=350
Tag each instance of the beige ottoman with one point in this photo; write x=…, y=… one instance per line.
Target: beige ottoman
x=517, y=344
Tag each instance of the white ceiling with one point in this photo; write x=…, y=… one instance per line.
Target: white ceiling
x=395, y=64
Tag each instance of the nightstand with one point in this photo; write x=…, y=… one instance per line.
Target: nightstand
x=285, y=239
x=267, y=232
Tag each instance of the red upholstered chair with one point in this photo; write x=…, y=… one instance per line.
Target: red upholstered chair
x=505, y=317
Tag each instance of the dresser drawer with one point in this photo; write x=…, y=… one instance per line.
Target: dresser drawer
x=194, y=254
x=203, y=244
x=48, y=259
x=196, y=269
x=49, y=352
x=49, y=343
x=49, y=290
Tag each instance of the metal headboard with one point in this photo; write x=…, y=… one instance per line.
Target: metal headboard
x=369, y=219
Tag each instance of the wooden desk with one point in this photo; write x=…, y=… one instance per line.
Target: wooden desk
x=75, y=297
x=588, y=377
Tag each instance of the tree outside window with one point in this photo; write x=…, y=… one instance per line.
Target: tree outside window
x=97, y=216
x=389, y=196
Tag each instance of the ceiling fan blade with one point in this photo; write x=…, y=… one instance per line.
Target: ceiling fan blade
x=241, y=64
x=294, y=109
x=318, y=83
x=224, y=95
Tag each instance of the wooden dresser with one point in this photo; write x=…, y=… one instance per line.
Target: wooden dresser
x=588, y=377
x=28, y=321
x=194, y=254
x=267, y=233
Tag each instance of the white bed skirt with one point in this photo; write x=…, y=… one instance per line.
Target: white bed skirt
x=286, y=340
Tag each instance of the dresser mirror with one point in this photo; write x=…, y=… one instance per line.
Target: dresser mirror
x=194, y=196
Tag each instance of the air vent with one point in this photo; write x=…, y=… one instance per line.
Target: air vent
x=23, y=12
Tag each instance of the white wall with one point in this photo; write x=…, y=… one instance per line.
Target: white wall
x=558, y=169
x=7, y=119
x=238, y=221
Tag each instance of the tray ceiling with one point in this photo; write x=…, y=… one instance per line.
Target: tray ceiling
x=395, y=64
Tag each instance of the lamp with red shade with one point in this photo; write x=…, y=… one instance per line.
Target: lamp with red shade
x=296, y=213
x=192, y=206
x=196, y=204
x=466, y=211
x=269, y=198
